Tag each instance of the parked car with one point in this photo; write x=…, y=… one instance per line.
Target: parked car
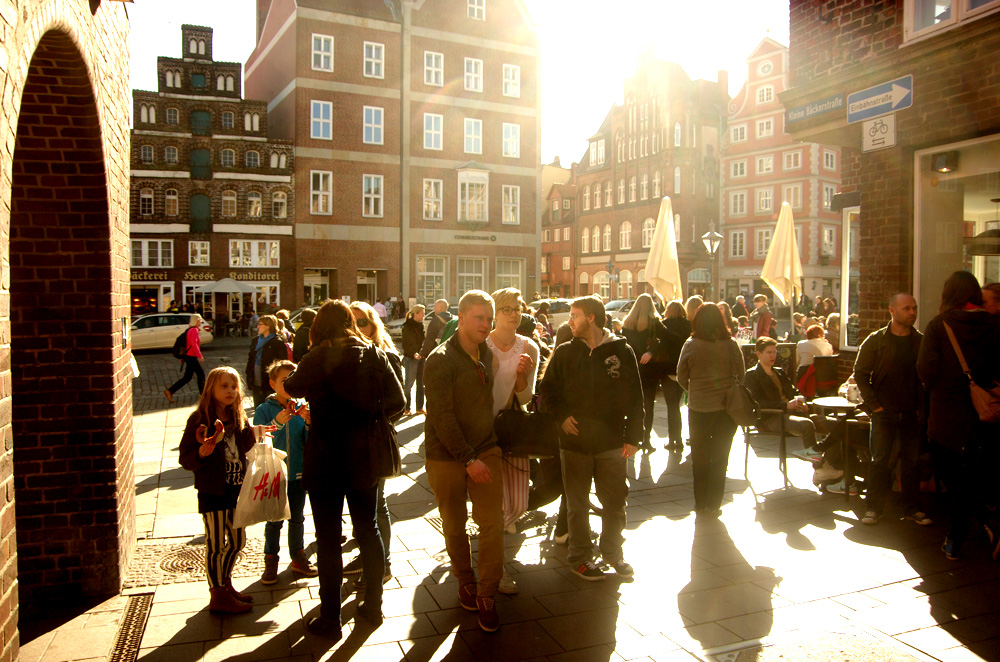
x=295, y=317
x=618, y=308
x=558, y=310
x=160, y=330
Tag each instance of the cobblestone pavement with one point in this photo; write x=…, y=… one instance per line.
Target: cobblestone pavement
x=785, y=574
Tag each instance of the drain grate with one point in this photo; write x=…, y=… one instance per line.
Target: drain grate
x=130, y=629
x=157, y=564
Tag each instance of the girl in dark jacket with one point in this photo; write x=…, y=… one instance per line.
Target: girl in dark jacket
x=345, y=379
x=676, y=321
x=960, y=442
x=266, y=347
x=413, y=362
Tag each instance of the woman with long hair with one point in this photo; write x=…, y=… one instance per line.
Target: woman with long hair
x=413, y=362
x=344, y=378
x=962, y=445
x=646, y=335
x=710, y=360
x=727, y=317
x=676, y=321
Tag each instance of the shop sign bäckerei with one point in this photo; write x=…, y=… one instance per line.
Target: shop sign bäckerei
x=148, y=275
x=253, y=275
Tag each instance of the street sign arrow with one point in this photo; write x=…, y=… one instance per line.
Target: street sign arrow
x=880, y=99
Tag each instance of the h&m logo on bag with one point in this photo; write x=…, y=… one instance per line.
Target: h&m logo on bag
x=614, y=365
x=264, y=491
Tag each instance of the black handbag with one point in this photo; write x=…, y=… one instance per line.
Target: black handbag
x=526, y=434
x=383, y=447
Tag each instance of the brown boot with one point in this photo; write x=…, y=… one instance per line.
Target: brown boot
x=301, y=566
x=223, y=602
x=242, y=597
x=270, y=575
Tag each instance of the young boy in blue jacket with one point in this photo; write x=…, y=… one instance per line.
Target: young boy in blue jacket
x=292, y=422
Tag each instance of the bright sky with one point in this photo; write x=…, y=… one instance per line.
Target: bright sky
x=589, y=48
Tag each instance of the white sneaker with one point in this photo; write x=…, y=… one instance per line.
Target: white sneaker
x=507, y=585
x=826, y=473
x=561, y=540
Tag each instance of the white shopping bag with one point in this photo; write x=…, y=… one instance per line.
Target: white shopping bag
x=264, y=495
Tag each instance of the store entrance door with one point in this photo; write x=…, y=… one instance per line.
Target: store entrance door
x=367, y=287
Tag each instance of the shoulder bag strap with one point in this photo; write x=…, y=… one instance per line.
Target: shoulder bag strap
x=958, y=351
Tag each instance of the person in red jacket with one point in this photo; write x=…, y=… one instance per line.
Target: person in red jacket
x=191, y=360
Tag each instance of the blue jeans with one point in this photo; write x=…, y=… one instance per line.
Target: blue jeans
x=886, y=430
x=414, y=372
x=711, y=440
x=296, y=535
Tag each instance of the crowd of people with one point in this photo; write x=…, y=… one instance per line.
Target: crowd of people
x=317, y=391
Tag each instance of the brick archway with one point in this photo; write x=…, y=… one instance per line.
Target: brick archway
x=67, y=406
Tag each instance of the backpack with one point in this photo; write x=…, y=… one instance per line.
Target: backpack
x=179, y=350
x=449, y=330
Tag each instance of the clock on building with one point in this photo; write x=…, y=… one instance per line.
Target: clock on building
x=764, y=68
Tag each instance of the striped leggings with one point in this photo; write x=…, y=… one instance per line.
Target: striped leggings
x=223, y=543
x=516, y=471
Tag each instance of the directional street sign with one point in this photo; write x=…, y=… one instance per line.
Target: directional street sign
x=881, y=99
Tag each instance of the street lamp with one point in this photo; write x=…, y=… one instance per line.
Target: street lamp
x=711, y=239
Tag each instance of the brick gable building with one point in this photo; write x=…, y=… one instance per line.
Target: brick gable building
x=212, y=196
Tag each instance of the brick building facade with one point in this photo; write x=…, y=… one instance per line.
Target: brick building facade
x=664, y=141
x=763, y=167
x=212, y=197
x=416, y=132
x=559, y=227
x=918, y=181
x=65, y=381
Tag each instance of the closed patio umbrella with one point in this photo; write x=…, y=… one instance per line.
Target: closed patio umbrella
x=663, y=271
x=782, y=269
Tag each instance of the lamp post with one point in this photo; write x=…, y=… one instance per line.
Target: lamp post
x=711, y=239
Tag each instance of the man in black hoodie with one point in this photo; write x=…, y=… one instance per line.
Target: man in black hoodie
x=591, y=387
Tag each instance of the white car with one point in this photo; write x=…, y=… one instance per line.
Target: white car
x=558, y=310
x=618, y=308
x=160, y=330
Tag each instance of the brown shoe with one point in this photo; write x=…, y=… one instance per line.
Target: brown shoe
x=467, y=597
x=489, y=619
x=242, y=597
x=223, y=602
x=270, y=575
x=170, y=396
x=300, y=565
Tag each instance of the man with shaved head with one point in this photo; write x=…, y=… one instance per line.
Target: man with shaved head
x=886, y=373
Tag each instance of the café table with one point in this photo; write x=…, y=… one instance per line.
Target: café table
x=843, y=409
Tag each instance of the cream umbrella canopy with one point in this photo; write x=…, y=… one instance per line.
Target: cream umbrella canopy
x=782, y=269
x=663, y=271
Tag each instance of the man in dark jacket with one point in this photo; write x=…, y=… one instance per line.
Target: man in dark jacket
x=591, y=387
x=463, y=459
x=438, y=320
x=301, y=345
x=886, y=373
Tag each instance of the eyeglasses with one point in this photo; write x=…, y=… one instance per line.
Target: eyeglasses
x=507, y=310
x=363, y=322
x=482, y=371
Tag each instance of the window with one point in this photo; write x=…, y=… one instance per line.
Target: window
x=146, y=202
x=473, y=196
x=373, y=125
x=792, y=160
x=829, y=160
x=648, y=228
x=677, y=134
x=320, y=192
x=471, y=274
x=765, y=165
x=228, y=158
x=170, y=202
x=431, y=273
x=765, y=201
x=173, y=117
x=677, y=179
x=282, y=160
x=153, y=253
x=607, y=193
x=631, y=189
x=511, y=140
x=621, y=191
x=828, y=192
x=146, y=153
x=322, y=53
x=509, y=273
x=229, y=203
x=597, y=196
x=765, y=94
x=602, y=285
x=556, y=234
x=473, y=136
x=738, y=203
x=511, y=80
x=253, y=159
x=586, y=198
x=322, y=120
x=829, y=241
x=607, y=237
x=644, y=187
x=595, y=240
x=198, y=81
x=739, y=133
x=371, y=189
x=374, y=60
x=738, y=169
x=473, y=74
x=147, y=114
x=432, y=199
x=765, y=128
x=546, y=236
x=926, y=16
x=170, y=154
x=279, y=204
x=625, y=236
x=228, y=120
x=737, y=244
x=172, y=79
x=433, y=132
x=477, y=9
x=656, y=184
x=585, y=240
x=565, y=234
x=433, y=68
x=248, y=253
x=512, y=206
x=197, y=253
x=792, y=194
x=565, y=263
x=255, y=204
x=763, y=242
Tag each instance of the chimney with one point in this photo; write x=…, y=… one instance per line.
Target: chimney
x=263, y=6
x=555, y=162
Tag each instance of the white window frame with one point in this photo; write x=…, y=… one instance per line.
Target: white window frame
x=829, y=159
x=434, y=69
x=565, y=234
x=171, y=202
x=546, y=236
x=585, y=240
x=279, y=204
x=765, y=94
x=644, y=187
x=142, y=249
x=621, y=191
x=433, y=203
x=227, y=158
x=765, y=127
x=656, y=184
x=738, y=244
x=170, y=154
x=433, y=131
x=512, y=81
x=469, y=182
x=254, y=254
x=473, y=136
x=792, y=160
x=372, y=191
x=251, y=156
x=374, y=56
x=595, y=239
x=677, y=179
x=255, y=204
x=228, y=119
x=607, y=237
x=512, y=205
x=631, y=189
x=174, y=117
x=473, y=74
x=566, y=263
x=625, y=236
x=320, y=120
x=828, y=190
x=477, y=10
x=960, y=13
x=792, y=194
x=764, y=196
x=828, y=245
x=765, y=165
x=505, y=276
x=762, y=242
x=557, y=234
x=228, y=207
x=738, y=169
x=198, y=253
x=147, y=203
x=373, y=117
x=146, y=154
x=320, y=197
x=738, y=133
x=323, y=54
x=430, y=294
x=470, y=272
x=738, y=203
x=648, y=229
x=608, y=200
x=511, y=140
